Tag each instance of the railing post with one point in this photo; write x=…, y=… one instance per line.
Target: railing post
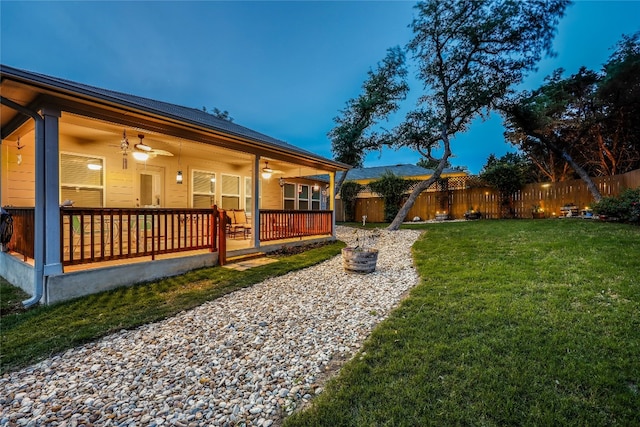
x=213, y=229
x=222, y=237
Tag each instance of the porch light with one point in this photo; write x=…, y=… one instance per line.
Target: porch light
x=140, y=156
x=281, y=182
x=266, y=171
x=179, y=177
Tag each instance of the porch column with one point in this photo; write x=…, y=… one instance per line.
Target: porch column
x=332, y=201
x=52, y=259
x=255, y=200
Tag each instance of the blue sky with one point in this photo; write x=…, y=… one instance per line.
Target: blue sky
x=282, y=68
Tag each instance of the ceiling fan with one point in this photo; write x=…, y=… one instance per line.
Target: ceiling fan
x=266, y=171
x=143, y=151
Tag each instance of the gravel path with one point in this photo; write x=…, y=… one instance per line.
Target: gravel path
x=248, y=358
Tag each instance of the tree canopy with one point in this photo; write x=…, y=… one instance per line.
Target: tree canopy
x=469, y=53
x=381, y=94
x=589, y=121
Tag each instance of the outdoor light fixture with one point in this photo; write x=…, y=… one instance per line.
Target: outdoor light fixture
x=316, y=187
x=281, y=182
x=140, y=156
x=266, y=171
x=20, y=147
x=179, y=174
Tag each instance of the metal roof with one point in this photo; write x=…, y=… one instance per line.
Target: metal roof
x=165, y=109
x=404, y=171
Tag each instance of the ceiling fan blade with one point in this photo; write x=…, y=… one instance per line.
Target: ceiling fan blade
x=160, y=152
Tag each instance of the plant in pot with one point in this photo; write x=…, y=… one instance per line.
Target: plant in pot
x=361, y=258
x=472, y=213
x=537, y=212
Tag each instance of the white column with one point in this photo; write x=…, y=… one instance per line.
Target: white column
x=52, y=263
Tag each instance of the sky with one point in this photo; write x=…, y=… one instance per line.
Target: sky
x=283, y=68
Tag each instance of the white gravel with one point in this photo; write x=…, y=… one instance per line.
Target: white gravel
x=248, y=358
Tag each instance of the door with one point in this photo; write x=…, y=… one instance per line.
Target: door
x=150, y=188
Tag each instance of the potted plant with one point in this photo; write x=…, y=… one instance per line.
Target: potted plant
x=361, y=258
x=472, y=213
x=537, y=212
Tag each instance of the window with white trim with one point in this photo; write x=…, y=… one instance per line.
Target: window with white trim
x=82, y=180
x=230, y=192
x=289, y=196
x=303, y=197
x=204, y=189
x=315, y=199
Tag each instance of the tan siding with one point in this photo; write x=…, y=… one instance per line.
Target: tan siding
x=20, y=186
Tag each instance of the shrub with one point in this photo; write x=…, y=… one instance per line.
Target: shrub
x=348, y=193
x=625, y=206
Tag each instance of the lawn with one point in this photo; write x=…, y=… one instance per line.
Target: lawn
x=29, y=336
x=527, y=322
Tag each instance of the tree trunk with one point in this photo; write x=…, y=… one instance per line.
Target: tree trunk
x=581, y=173
x=423, y=185
x=338, y=184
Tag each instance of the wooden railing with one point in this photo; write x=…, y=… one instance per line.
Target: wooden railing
x=283, y=224
x=22, y=239
x=101, y=234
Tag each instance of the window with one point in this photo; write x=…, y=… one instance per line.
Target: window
x=82, y=180
x=303, y=197
x=230, y=192
x=315, y=199
x=204, y=189
x=289, y=196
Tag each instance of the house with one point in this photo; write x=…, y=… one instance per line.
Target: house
x=435, y=201
x=108, y=189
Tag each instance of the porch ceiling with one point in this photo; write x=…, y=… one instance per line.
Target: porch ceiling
x=27, y=88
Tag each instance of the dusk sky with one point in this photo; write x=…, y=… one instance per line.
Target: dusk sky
x=285, y=69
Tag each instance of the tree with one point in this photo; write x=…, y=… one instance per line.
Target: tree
x=469, y=54
x=381, y=93
x=224, y=115
x=589, y=120
x=431, y=164
x=392, y=189
x=507, y=175
x=618, y=94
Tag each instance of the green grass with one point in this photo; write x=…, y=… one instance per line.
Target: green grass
x=40, y=332
x=527, y=323
x=11, y=298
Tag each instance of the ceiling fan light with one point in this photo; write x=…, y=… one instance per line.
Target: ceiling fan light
x=266, y=171
x=140, y=156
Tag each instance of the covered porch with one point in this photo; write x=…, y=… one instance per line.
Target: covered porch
x=97, y=179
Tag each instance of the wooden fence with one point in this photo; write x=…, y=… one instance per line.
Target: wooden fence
x=454, y=202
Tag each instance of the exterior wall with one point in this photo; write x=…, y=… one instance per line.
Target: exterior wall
x=271, y=194
x=18, y=180
x=17, y=273
x=81, y=283
x=121, y=185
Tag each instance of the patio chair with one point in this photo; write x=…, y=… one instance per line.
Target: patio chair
x=239, y=223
